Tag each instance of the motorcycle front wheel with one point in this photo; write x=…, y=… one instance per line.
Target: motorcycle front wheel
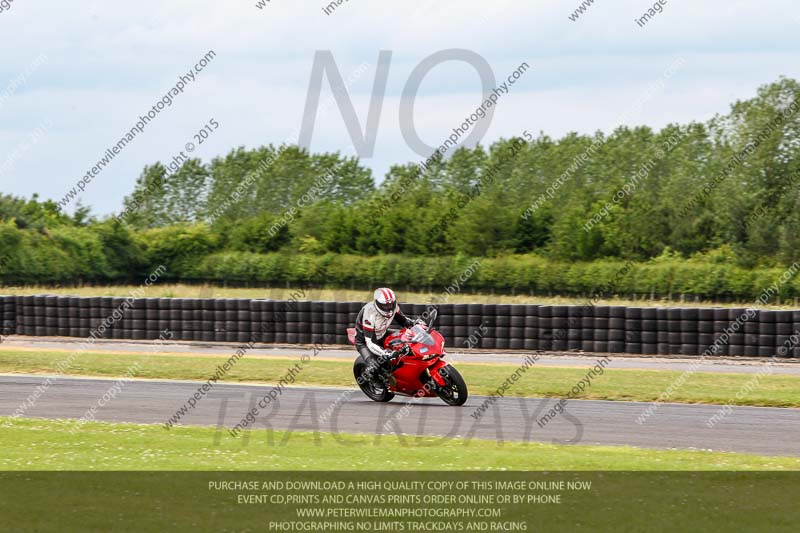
x=371, y=386
x=454, y=391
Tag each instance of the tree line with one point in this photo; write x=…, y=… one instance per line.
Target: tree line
x=723, y=192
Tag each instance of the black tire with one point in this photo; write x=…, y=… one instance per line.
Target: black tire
x=616, y=347
x=649, y=349
x=368, y=387
x=616, y=311
x=633, y=313
x=721, y=314
x=633, y=337
x=572, y=345
x=601, y=311
x=735, y=338
x=723, y=349
x=616, y=334
x=767, y=351
x=649, y=337
x=616, y=323
x=767, y=317
x=455, y=392
x=633, y=325
x=766, y=328
x=600, y=346
x=704, y=326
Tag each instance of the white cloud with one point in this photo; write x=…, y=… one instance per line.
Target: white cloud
x=108, y=61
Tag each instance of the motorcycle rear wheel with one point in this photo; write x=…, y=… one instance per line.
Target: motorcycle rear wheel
x=373, y=388
x=454, y=391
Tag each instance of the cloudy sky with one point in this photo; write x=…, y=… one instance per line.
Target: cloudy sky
x=74, y=76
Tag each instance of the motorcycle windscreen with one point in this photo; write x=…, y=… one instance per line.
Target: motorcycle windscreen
x=420, y=335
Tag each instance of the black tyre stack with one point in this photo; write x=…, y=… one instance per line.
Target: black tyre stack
x=330, y=321
x=705, y=329
x=796, y=327
x=489, y=321
x=649, y=331
x=344, y=320
x=601, y=329
x=292, y=324
x=601, y=322
x=784, y=330
x=767, y=335
x=588, y=314
x=633, y=330
x=516, y=327
x=720, y=328
x=736, y=331
x=616, y=329
x=751, y=334
x=453, y=326
x=689, y=335
x=559, y=320
x=530, y=327
x=8, y=314
x=574, y=327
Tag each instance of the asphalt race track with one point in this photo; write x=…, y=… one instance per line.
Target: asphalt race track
x=757, y=430
x=734, y=365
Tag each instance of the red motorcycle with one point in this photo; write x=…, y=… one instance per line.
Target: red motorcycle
x=419, y=371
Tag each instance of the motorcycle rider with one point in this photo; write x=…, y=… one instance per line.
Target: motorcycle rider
x=372, y=326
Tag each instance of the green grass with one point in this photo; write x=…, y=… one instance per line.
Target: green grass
x=482, y=379
x=37, y=444
x=349, y=295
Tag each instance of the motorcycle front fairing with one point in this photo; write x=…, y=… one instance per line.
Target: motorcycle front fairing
x=427, y=350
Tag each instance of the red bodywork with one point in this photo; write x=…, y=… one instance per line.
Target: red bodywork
x=426, y=358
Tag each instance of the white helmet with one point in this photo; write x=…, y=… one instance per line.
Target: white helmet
x=385, y=301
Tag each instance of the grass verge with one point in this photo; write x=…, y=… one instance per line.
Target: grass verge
x=38, y=444
x=350, y=295
x=482, y=379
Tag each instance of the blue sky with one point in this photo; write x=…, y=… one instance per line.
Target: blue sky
x=105, y=63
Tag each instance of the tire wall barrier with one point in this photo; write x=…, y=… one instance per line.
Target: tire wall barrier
x=602, y=329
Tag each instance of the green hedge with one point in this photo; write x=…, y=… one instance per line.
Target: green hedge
x=521, y=273
x=106, y=253
x=68, y=254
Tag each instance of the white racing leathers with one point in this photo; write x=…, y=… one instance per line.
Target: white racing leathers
x=372, y=326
